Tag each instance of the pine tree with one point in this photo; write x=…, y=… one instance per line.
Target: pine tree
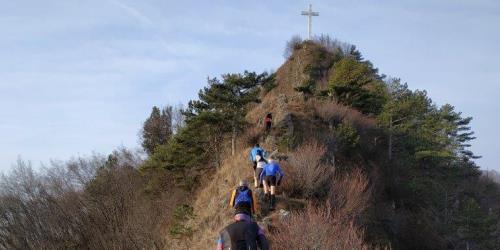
x=430, y=132
x=357, y=84
x=220, y=111
x=474, y=226
x=226, y=101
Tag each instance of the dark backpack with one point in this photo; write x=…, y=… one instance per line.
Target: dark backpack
x=260, y=152
x=243, y=197
x=240, y=236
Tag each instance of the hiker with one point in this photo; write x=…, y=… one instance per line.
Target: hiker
x=253, y=153
x=242, y=234
x=243, y=199
x=261, y=162
x=268, y=121
x=272, y=176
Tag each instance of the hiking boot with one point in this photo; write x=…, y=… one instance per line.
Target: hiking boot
x=272, y=202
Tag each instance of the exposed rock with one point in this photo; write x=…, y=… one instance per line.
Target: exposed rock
x=284, y=214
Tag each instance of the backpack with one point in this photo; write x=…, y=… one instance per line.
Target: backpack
x=243, y=196
x=240, y=235
x=259, y=152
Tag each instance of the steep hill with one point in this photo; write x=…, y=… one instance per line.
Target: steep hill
x=211, y=203
x=297, y=119
x=345, y=182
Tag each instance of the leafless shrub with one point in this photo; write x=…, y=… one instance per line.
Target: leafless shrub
x=330, y=226
x=334, y=45
x=317, y=228
x=334, y=113
x=93, y=202
x=307, y=175
x=292, y=45
x=349, y=195
x=329, y=111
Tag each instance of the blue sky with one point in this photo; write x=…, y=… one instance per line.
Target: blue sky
x=78, y=77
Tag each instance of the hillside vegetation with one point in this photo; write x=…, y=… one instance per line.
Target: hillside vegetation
x=369, y=164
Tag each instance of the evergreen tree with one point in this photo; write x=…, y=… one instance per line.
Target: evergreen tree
x=157, y=129
x=474, y=226
x=431, y=163
x=357, y=84
x=220, y=111
x=225, y=102
x=426, y=131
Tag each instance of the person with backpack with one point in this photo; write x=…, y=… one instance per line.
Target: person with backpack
x=261, y=162
x=253, y=153
x=272, y=176
x=243, y=199
x=268, y=122
x=242, y=234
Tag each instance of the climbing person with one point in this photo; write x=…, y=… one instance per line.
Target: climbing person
x=272, y=176
x=253, y=153
x=261, y=162
x=243, y=199
x=268, y=122
x=242, y=234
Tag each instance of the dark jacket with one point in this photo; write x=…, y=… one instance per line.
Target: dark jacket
x=242, y=234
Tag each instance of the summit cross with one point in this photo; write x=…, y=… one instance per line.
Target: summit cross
x=309, y=14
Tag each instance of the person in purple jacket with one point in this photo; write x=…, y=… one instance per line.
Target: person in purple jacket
x=271, y=176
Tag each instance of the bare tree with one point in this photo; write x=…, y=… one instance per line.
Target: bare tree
x=178, y=119
x=94, y=202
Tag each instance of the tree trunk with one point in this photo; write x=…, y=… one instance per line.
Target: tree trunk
x=233, y=141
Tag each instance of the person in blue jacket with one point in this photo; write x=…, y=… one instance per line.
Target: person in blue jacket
x=271, y=175
x=256, y=150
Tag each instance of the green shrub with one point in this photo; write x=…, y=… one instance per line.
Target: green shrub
x=347, y=137
x=181, y=214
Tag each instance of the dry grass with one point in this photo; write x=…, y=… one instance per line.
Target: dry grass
x=283, y=99
x=211, y=209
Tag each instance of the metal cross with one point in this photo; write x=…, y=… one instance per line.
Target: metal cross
x=309, y=14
